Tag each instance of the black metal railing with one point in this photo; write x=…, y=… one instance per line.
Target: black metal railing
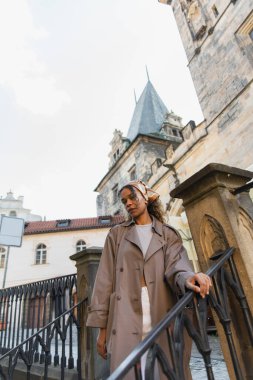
x=225, y=278
x=51, y=348
x=24, y=309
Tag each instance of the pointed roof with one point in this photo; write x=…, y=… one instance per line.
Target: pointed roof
x=149, y=113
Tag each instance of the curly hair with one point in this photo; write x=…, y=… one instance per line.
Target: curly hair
x=154, y=209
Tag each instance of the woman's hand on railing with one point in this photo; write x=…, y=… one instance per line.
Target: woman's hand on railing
x=199, y=283
x=101, y=343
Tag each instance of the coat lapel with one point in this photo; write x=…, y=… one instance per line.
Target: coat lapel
x=157, y=242
x=132, y=236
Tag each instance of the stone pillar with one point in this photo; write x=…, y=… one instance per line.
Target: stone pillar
x=218, y=219
x=93, y=366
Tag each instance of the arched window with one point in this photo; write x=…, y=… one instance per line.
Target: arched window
x=41, y=254
x=80, y=245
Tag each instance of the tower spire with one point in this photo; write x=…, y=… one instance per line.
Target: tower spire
x=135, y=97
x=147, y=73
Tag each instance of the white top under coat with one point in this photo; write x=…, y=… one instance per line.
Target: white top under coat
x=145, y=234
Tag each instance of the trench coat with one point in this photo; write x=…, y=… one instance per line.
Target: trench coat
x=116, y=299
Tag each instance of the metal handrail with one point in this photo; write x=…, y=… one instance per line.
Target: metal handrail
x=218, y=303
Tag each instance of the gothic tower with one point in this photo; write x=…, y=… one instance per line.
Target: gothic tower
x=152, y=131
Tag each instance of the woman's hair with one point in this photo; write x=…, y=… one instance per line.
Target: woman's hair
x=154, y=208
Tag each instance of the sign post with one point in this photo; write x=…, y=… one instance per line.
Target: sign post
x=11, y=232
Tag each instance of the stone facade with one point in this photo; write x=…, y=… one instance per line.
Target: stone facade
x=218, y=41
x=142, y=160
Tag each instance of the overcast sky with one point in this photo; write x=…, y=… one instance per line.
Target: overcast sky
x=68, y=71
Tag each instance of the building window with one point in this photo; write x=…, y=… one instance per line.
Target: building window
x=80, y=245
x=115, y=194
x=41, y=254
x=2, y=257
x=13, y=213
x=132, y=173
x=215, y=11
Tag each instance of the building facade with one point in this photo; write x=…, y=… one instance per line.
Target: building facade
x=47, y=246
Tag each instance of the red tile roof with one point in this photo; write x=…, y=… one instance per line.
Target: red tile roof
x=72, y=224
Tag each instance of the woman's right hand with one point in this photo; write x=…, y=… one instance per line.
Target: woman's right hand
x=101, y=343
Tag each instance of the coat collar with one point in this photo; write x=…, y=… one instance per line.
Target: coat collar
x=157, y=240
x=156, y=225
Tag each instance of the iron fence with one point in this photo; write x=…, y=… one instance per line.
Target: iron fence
x=225, y=279
x=50, y=347
x=24, y=309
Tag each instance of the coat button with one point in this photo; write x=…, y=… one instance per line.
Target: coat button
x=121, y=269
x=114, y=332
x=118, y=298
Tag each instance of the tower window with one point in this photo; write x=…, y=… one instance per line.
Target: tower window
x=132, y=173
x=251, y=34
x=41, y=254
x=115, y=194
x=80, y=245
x=215, y=11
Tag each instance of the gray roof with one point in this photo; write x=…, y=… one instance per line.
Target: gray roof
x=149, y=113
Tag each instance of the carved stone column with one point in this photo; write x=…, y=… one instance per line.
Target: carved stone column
x=93, y=366
x=218, y=219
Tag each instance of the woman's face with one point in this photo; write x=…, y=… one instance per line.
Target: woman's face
x=134, y=202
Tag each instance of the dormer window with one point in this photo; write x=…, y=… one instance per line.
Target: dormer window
x=105, y=220
x=63, y=223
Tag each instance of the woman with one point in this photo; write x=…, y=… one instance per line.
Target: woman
x=130, y=294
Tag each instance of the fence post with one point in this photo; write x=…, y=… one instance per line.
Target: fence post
x=93, y=366
x=218, y=218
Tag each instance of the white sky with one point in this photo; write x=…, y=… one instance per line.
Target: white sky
x=68, y=71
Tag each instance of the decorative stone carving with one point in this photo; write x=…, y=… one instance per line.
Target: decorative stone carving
x=195, y=17
x=118, y=144
x=212, y=236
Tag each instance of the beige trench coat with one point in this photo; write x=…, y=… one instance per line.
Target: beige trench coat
x=116, y=300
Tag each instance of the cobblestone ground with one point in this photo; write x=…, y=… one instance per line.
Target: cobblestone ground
x=219, y=366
